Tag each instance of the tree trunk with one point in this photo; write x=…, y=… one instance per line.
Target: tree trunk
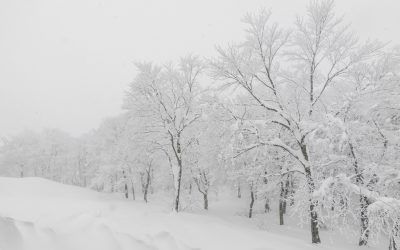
x=395, y=233
x=285, y=194
x=281, y=222
x=314, y=224
x=364, y=221
x=202, y=185
x=251, y=203
x=178, y=178
x=291, y=190
x=145, y=195
x=146, y=184
x=311, y=187
x=126, y=191
x=178, y=186
x=266, y=206
x=126, y=185
x=239, y=193
x=363, y=201
x=205, y=197
x=392, y=244
x=133, y=190
x=281, y=204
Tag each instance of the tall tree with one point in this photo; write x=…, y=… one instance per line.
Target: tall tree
x=165, y=99
x=288, y=77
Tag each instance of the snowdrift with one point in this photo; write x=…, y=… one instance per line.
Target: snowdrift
x=37, y=214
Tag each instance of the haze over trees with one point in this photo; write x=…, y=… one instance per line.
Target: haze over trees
x=303, y=119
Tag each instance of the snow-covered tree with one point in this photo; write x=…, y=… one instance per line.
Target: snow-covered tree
x=289, y=76
x=165, y=99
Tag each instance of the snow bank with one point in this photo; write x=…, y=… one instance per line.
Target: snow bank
x=37, y=214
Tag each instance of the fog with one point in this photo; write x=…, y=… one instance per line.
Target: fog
x=66, y=64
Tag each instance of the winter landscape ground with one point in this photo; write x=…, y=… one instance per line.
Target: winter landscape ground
x=37, y=214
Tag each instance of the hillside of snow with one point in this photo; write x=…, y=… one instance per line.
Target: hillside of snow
x=37, y=214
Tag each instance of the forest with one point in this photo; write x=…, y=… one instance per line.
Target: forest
x=301, y=121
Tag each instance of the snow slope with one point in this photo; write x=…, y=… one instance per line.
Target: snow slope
x=37, y=214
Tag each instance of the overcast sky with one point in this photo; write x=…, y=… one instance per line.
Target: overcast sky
x=66, y=63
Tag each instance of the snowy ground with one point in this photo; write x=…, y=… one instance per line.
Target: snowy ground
x=37, y=214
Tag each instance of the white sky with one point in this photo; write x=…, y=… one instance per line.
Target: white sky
x=66, y=63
